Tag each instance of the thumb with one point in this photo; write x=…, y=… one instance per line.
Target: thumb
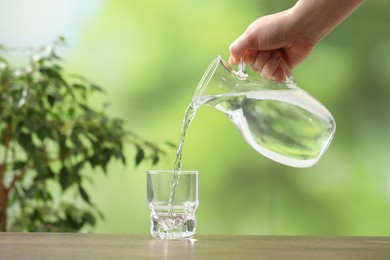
x=239, y=47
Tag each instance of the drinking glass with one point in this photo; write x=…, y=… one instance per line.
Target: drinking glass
x=172, y=217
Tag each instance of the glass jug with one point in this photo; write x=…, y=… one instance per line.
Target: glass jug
x=277, y=119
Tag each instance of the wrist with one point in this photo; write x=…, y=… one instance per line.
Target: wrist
x=304, y=25
x=314, y=19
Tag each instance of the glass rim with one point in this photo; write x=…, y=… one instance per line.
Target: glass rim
x=186, y=172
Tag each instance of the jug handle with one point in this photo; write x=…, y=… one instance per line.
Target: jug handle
x=289, y=76
x=242, y=74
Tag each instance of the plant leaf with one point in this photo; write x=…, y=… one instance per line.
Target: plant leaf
x=139, y=156
x=171, y=144
x=51, y=99
x=84, y=195
x=97, y=88
x=155, y=159
x=64, y=178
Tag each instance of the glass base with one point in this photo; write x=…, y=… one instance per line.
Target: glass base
x=173, y=227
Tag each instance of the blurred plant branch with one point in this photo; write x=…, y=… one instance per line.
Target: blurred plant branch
x=49, y=135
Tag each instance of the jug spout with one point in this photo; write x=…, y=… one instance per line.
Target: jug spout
x=207, y=77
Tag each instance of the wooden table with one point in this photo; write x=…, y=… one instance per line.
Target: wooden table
x=102, y=246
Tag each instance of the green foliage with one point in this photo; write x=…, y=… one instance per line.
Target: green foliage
x=50, y=138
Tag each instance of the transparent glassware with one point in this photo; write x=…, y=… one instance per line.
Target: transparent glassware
x=278, y=119
x=172, y=219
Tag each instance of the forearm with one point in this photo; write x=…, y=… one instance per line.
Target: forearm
x=316, y=18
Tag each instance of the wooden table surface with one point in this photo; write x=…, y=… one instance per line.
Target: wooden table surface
x=104, y=246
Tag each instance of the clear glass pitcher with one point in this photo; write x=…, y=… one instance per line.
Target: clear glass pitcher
x=278, y=119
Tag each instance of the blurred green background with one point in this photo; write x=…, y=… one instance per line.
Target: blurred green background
x=150, y=55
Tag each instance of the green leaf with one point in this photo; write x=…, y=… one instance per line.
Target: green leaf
x=44, y=194
x=71, y=112
x=36, y=215
x=105, y=157
x=170, y=144
x=93, y=161
x=79, y=86
x=79, y=166
x=51, y=99
x=64, y=178
x=19, y=165
x=155, y=159
x=97, y=88
x=88, y=218
x=62, y=144
x=61, y=39
x=44, y=132
x=51, y=73
x=123, y=159
x=79, y=77
x=85, y=107
x=84, y=195
x=30, y=192
x=139, y=156
x=25, y=141
x=45, y=174
x=72, y=220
